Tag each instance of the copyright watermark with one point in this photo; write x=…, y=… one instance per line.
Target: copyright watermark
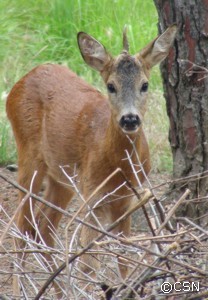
x=179, y=286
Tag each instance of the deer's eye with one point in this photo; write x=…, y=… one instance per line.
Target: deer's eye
x=144, y=87
x=111, y=88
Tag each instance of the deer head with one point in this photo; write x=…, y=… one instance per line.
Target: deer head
x=126, y=76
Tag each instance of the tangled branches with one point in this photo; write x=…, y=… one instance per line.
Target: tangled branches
x=163, y=262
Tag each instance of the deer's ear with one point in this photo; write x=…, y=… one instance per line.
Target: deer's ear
x=159, y=48
x=93, y=53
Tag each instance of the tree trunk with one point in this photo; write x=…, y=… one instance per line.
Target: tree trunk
x=186, y=94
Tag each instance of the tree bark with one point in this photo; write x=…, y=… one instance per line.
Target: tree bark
x=186, y=94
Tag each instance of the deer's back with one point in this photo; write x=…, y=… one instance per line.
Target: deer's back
x=58, y=112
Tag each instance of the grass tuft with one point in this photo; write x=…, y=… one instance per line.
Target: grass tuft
x=7, y=145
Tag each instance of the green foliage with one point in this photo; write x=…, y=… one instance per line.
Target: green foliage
x=34, y=32
x=156, y=130
x=39, y=31
x=7, y=146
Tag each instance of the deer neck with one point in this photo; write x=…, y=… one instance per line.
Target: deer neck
x=117, y=143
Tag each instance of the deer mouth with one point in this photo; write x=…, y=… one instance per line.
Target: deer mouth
x=130, y=130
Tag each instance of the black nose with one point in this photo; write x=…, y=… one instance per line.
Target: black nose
x=130, y=122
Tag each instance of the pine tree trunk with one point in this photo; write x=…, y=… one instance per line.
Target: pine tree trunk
x=186, y=94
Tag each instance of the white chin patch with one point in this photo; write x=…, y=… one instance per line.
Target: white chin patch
x=132, y=131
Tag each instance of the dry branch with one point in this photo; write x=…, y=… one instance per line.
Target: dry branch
x=142, y=202
x=153, y=258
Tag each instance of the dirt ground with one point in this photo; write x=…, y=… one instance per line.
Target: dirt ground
x=8, y=204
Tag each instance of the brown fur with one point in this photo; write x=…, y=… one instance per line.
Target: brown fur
x=60, y=120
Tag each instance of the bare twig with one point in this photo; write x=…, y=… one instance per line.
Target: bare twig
x=173, y=209
x=185, y=251
x=145, y=198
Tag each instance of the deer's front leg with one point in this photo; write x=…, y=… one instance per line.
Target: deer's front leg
x=100, y=218
x=123, y=229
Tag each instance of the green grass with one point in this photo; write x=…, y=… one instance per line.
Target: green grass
x=7, y=145
x=38, y=31
x=156, y=130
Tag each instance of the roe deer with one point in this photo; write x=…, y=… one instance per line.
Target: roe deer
x=60, y=120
